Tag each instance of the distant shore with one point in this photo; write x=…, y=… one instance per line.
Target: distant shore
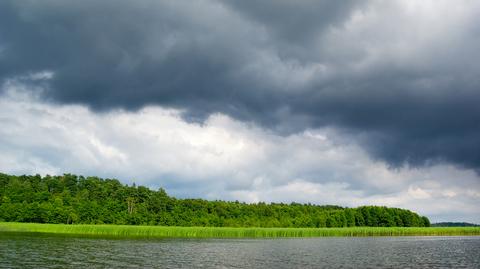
x=131, y=231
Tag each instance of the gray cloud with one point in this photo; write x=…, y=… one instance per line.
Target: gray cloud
x=400, y=78
x=220, y=159
x=295, y=26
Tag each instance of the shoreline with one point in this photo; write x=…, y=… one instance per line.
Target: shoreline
x=133, y=231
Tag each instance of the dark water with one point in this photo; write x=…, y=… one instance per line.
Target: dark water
x=43, y=251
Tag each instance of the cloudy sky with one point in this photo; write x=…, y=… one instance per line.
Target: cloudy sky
x=328, y=102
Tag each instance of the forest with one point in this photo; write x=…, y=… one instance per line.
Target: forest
x=72, y=199
x=454, y=224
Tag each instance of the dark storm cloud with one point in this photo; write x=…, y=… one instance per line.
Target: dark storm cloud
x=287, y=67
x=296, y=23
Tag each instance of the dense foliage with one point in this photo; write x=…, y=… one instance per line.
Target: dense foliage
x=76, y=199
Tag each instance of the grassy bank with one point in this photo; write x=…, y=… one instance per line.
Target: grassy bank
x=213, y=232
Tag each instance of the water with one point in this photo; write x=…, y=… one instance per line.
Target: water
x=46, y=251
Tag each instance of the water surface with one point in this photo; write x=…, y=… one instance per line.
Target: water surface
x=49, y=251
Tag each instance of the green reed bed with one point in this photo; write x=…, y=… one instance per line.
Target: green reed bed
x=224, y=232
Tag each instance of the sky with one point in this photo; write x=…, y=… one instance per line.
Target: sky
x=326, y=102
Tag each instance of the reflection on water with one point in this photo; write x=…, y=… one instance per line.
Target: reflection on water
x=45, y=251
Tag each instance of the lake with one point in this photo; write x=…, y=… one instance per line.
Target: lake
x=47, y=251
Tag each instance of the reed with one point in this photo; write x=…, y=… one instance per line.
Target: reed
x=127, y=231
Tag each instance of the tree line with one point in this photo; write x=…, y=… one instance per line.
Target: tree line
x=454, y=224
x=77, y=199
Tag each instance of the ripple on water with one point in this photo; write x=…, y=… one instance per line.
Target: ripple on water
x=42, y=251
